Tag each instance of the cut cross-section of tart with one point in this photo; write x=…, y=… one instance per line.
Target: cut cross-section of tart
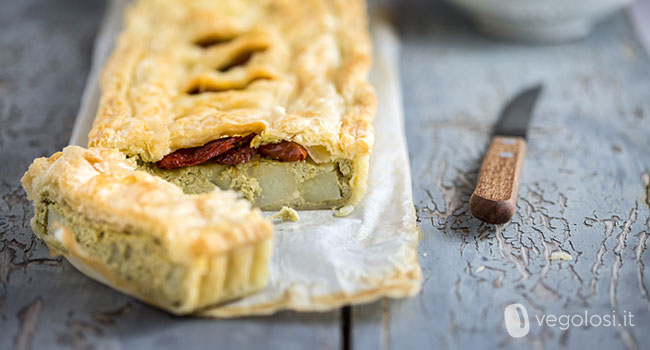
x=267, y=97
x=144, y=236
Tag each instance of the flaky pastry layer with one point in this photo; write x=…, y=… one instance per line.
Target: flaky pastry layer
x=184, y=73
x=210, y=247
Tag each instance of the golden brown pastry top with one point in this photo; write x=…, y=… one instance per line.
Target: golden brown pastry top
x=184, y=73
x=104, y=186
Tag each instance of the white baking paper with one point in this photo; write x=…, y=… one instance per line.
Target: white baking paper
x=322, y=261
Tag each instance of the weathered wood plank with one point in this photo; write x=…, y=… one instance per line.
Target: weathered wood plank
x=46, y=303
x=582, y=192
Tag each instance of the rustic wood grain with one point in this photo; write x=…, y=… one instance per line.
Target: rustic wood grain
x=582, y=190
x=495, y=198
x=45, y=303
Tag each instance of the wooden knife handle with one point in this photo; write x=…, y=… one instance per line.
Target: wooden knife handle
x=495, y=198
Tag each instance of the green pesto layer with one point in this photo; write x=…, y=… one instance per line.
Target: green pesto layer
x=267, y=183
x=138, y=259
x=143, y=263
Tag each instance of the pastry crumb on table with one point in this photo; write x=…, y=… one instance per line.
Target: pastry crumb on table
x=286, y=214
x=564, y=256
x=344, y=211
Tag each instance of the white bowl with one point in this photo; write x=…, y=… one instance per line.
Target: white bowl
x=538, y=20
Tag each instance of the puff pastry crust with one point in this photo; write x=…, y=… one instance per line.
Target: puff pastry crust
x=184, y=73
x=107, y=219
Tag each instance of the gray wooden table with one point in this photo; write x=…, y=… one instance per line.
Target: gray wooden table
x=584, y=194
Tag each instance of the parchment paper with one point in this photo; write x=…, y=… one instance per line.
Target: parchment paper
x=322, y=262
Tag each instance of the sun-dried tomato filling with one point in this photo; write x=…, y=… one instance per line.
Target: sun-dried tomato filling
x=232, y=150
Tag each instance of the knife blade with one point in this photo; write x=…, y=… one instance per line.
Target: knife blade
x=495, y=198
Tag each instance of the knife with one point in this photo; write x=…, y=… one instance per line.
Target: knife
x=495, y=198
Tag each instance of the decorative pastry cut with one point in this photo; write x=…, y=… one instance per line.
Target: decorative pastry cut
x=187, y=76
x=240, y=59
x=144, y=236
x=207, y=85
x=212, y=40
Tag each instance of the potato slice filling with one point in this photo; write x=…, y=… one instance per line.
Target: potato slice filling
x=267, y=183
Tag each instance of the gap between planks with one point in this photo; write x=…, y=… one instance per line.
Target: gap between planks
x=346, y=328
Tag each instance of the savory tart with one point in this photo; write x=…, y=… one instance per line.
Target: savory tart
x=144, y=236
x=269, y=97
